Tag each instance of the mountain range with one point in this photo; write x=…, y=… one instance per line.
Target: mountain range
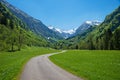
x=73, y=32
x=65, y=34
x=20, y=29
x=35, y=25
x=103, y=36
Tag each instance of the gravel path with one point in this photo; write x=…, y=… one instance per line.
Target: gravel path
x=41, y=68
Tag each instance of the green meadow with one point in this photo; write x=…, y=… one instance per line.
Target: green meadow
x=90, y=64
x=12, y=63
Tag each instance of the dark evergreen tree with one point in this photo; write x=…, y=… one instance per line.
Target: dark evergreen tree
x=116, y=39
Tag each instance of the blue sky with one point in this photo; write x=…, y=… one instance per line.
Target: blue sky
x=66, y=14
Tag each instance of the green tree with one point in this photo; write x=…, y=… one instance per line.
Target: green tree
x=116, y=39
x=106, y=39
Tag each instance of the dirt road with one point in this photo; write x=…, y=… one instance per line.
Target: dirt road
x=41, y=68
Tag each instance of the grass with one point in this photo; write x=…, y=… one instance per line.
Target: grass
x=12, y=63
x=90, y=65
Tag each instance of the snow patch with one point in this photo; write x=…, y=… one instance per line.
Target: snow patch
x=60, y=31
x=71, y=31
x=94, y=22
x=88, y=22
x=50, y=27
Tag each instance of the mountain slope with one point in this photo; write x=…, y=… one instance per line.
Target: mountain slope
x=33, y=24
x=14, y=34
x=105, y=36
x=86, y=25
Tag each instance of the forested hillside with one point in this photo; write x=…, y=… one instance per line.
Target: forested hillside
x=35, y=25
x=14, y=34
x=105, y=36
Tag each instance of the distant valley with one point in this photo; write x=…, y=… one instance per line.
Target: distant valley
x=30, y=50
x=89, y=35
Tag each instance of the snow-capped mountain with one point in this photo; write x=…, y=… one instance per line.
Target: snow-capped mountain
x=93, y=23
x=73, y=32
x=63, y=33
x=55, y=29
x=86, y=25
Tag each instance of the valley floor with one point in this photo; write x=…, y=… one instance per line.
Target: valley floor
x=12, y=63
x=90, y=64
x=87, y=64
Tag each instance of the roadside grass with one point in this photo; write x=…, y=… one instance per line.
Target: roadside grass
x=90, y=65
x=12, y=63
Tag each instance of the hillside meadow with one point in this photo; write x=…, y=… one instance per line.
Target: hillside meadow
x=12, y=63
x=90, y=64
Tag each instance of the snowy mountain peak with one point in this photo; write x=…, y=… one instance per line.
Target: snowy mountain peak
x=63, y=33
x=71, y=31
x=93, y=23
x=55, y=29
x=86, y=25
x=50, y=27
x=88, y=22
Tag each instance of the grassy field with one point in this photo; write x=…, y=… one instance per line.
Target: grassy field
x=11, y=63
x=90, y=65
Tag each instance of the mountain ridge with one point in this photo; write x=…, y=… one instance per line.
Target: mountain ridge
x=105, y=36
x=33, y=24
x=73, y=32
x=64, y=33
x=13, y=32
x=86, y=25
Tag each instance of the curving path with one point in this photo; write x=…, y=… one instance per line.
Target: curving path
x=41, y=68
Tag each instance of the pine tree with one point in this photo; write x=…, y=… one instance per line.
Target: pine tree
x=106, y=39
x=116, y=39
